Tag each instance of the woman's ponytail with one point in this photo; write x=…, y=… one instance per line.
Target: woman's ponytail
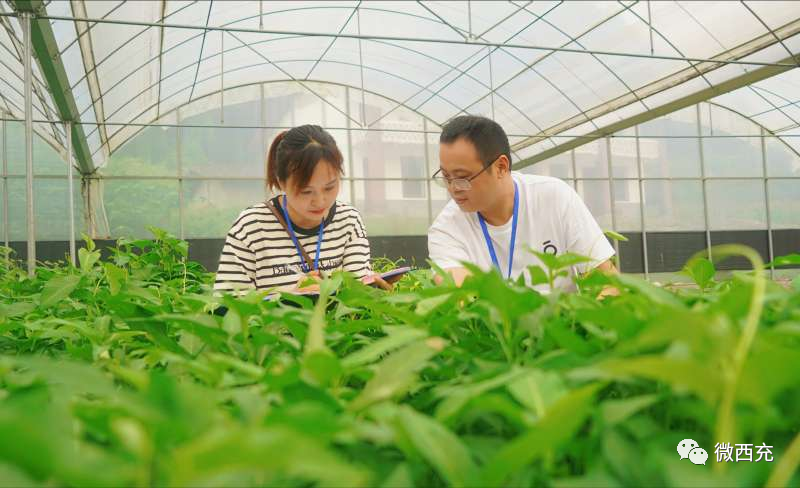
x=272, y=162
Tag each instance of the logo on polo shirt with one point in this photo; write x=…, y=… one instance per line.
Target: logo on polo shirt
x=549, y=248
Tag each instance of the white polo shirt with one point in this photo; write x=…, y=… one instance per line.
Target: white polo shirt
x=552, y=218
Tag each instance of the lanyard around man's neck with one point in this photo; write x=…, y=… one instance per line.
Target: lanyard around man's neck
x=514, y=219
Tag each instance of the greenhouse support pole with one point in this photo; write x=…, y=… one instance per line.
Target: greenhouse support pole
x=264, y=148
x=613, y=202
x=361, y=71
x=179, y=161
x=770, y=245
x=574, y=169
x=640, y=171
x=703, y=178
x=5, y=185
x=222, y=77
x=350, y=168
x=28, y=55
x=71, y=190
x=428, y=171
x=491, y=83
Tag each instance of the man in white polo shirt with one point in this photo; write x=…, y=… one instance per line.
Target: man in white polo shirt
x=496, y=214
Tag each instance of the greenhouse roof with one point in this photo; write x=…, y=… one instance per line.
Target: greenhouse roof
x=554, y=74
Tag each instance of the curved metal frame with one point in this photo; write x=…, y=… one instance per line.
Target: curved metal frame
x=178, y=92
x=450, y=67
x=469, y=38
x=492, y=91
x=261, y=83
x=750, y=119
x=698, y=66
x=243, y=19
x=780, y=41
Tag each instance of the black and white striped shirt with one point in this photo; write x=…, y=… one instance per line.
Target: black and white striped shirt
x=259, y=253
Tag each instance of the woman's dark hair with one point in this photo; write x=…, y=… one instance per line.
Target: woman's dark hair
x=486, y=135
x=297, y=151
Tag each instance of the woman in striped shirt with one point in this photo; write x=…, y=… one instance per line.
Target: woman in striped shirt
x=305, y=165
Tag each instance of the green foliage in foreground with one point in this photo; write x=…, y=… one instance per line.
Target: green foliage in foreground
x=114, y=373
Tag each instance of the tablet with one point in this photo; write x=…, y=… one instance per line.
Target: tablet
x=390, y=276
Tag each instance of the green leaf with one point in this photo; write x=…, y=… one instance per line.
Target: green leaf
x=232, y=322
x=511, y=302
x=191, y=343
x=548, y=260
x=248, y=369
x=538, y=276
x=616, y=411
x=680, y=374
x=157, y=331
x=115, y=276
x=318, y=419
x=396, y=374
x=561, y=261
x=439, y=446
x=13, y=477
x=701, y=271
x=400, y=477
x=58, y=289
x=45, y=448
x=17, y=309
x=428, y=305
x=87, y=259
x=537, y=390
x=396, y=338
x=596, y=477
x=89, y=242
x=321, y=367
x=618, y=451
x=455, y=397
x=315, y=340
x=762, y=379
x=566, y=338
x=68, y=378
x=201, y=325
x=651, y=292
x=554, y=430
x=274, y=453
x=787, y=260
x=615, y=235
x=567, y=260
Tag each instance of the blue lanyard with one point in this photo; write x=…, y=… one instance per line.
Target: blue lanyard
x=297, y=244
x=514, y=219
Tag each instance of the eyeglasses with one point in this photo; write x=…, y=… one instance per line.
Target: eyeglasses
x=459, y=184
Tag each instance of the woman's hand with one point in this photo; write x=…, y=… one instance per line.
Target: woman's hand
x=314, y=276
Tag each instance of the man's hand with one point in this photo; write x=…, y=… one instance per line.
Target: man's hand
x=607, y=267
x=458, y=274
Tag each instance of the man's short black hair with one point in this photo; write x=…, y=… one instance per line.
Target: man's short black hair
x=486, y=135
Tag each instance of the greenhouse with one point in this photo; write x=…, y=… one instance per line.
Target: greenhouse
x=156, y=152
